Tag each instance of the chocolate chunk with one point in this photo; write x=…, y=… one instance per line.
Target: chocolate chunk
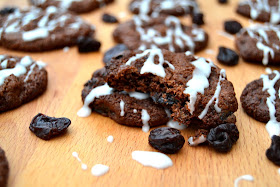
x=227, y=56
x=167, y=140
x=46, y=127
x=107, y=18
x=232, y=26
x=88, y=44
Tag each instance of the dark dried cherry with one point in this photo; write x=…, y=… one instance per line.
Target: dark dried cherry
x=88, y=44
x=232, y=26
x=227, y=56
x=223, y=1
x=114, y=51
x=7, y=10
x=222, y=137
x=107, y=18
x=273, y=152
x=197, y=18
x=46, y=127
x=166, y=139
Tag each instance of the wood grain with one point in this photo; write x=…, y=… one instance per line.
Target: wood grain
x=34, y=162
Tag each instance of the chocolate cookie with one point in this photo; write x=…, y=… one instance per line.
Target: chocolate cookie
x=144, y=32
x=21, y=80
x=4, y=169
x=127, y=108
x=259, y=43
x=168, y=7
x=260, y=10
x=34, y=29
x=256, y=94
x=194, y=89
x=78, y=6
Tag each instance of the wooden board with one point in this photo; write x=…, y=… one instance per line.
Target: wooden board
x=34, y=162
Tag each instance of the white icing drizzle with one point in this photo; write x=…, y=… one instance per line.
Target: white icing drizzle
x=122, y=108
x=197, y=141
x=268, y=70
x=45, y=25
x=226, y=35
x=215, y=96
x=110, y=138
x=259, y=32
x=199, y=81
x=244, y=177
x=19, y=69
x=149, y=66
x=161, y=5
x=209, y=51
x=279, y=171
x=145, y=117
x=66, y=49
x=134, y=111
x=99, y=170
x=176, y=125
x=152, y=159
x=97, y=92
x=263, y=5
x=75, y=155
x=138, y=95
x=273, y=126
x=174, y=34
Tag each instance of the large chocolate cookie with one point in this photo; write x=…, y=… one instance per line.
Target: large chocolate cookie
x=260, y=43
x=21, y=80
x=144, y=32
x=131, y=109
x=260, y=10
x=258, y=93
x=194, y=89
x=34, y=29
x=169, y=7
x=4, y=169
x=78, y=6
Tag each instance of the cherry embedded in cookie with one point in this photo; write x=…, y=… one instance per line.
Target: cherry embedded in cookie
x=273, y=153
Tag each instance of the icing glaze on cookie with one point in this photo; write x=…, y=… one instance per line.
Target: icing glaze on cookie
x=259, y=6
x=46, y=23
x=21, y=67
x=273, y=126
x=159, y=6
x=215, y=96
x=194, y=142
x=260, y=33
x=149, y=66
x=199, y=81
x=145, y=119
x=174, y=35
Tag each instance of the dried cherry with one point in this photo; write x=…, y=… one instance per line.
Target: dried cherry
x=197, y=18
x=107, y=18
x=166, y=139
x=46, y=127
x=273, y=152
x=222, y=137
x=88, y=44
x=227, y=56
x=114, y=51
x=232, y=26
